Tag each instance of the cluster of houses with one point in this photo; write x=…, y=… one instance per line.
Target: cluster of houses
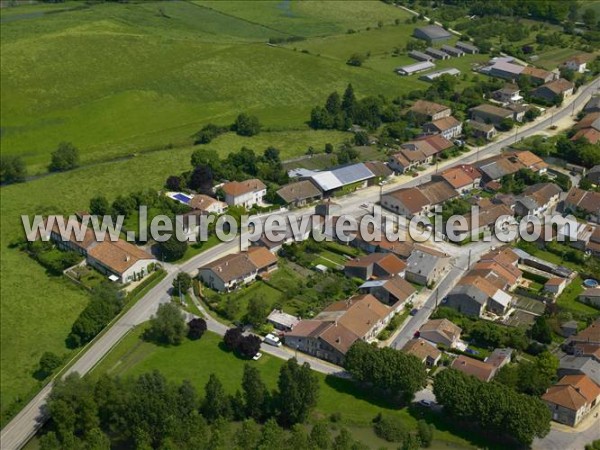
x=577, y=392
x=445, y=334
x=486, y=174
x=119, y=260
x=548, y=85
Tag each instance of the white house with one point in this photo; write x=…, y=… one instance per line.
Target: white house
x=448, y=127
x=244, y=193
x=121, y=259
x=578, y=63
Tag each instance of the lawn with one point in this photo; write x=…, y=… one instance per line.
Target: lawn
x=34, y=304
x=568, y=300
x=196, y=360
x=551, y=57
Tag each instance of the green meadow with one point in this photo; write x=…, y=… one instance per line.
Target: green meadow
x=117, y=79
x=196, y=360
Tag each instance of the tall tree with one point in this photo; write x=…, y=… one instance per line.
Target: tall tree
x=246, y=125
x=202, y=179
x=349, y=101
x=256, y=394
x=196, y=328
x=182, y=283
x=216, y=403
x=258, y=310
x=172, y=249
x=298, y=392
x=333, y=105
x=12, y=169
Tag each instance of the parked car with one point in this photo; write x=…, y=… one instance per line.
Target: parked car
x=414, y=312
x=426, y=403
x=271, y=339
x=470, y=351
x=257, y=356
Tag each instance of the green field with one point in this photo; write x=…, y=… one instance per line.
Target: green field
x=196, y=360
x=37, y=311
x=117, y=79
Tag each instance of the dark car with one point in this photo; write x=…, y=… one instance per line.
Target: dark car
x=414, y=312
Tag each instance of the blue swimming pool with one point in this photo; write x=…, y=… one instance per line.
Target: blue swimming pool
x=182, y=198
x=590, y=283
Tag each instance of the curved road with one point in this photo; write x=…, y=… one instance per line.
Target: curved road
x=25, y=424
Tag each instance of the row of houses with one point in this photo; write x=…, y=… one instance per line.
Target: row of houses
x=486, y=288
x=442, y=332
x=577, y=393
x=331, y=333
x=238, y=269
x=460, y=179
x=120, y=260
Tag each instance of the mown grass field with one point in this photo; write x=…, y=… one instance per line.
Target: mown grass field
x=196, y=360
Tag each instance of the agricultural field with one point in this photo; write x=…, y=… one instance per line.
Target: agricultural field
x=187, y=362
x=138, y=77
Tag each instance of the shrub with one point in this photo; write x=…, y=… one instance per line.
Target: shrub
x=389, y=428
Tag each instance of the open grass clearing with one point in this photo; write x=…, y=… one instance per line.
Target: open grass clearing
x=196, y=360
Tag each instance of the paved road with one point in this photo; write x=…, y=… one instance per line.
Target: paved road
x=280, y=352
x=458, y=268
x=25, y=424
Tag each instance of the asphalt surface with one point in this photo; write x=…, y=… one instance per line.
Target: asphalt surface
x=26, y=423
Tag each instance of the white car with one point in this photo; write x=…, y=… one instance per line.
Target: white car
x=426, y=403
x=257, y=356
x=271, y=339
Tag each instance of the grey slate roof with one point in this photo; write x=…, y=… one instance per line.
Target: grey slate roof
x=420, y=56
x=421, y=262
x=593, y=105
x=470, y=291
x=581, y=364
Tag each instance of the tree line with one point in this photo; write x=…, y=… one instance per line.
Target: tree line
x=492, y=406
x=396, y=373
x=151, y=412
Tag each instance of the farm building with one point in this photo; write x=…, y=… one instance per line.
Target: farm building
x=414, y=68
x=453, y=51
x=467, y=48
x=420, y=56
x=438, y=73
x=437, y=54
x=433, y=34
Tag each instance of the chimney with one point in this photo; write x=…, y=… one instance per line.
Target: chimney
x=127, y=258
